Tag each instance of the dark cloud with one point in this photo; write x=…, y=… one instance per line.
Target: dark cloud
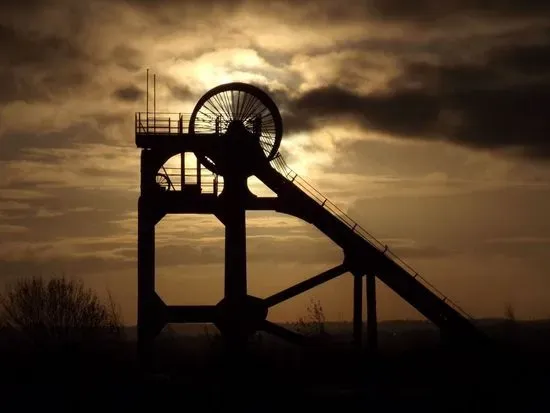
x=421, y=252
x=420, y=11
x=155, y=4
x=129, y=94
x=496, y=104
x=127, y=57
x=181, y=93
x=529, y=60
x=82, y=212
x=303, y=250
x=196, y=254
x=76, y=265
x=401, y=113
x=382, y=158
x=94, y=258
x=106, y=118
x=21, y=46
x=428, y=10
x=35, y=66
x=520, y=247
x=53, y=49
x=463, y=222
x=18, y=145
x=424, y=12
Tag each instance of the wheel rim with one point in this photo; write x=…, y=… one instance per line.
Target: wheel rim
x=242, y=102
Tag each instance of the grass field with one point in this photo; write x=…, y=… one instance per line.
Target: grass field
x=411, y=370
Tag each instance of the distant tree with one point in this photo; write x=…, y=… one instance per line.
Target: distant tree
x=510, y=325
x=59, y=310
x=510, y=313
x=314, y=323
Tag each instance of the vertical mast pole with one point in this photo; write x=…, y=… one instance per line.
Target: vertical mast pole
x=147, y=104
x=154, y=102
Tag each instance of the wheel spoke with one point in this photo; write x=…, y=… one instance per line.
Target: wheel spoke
x=238, y=102
x=249, y=105
x=227, y=104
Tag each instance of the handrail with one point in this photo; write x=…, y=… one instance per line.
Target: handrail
x=210, y=182
x=282, y=167
x=170, y=123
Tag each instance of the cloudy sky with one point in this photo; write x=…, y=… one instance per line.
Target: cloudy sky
x=426, y=121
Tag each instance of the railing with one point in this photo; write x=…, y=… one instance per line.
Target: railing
x=282, y=167
x=166, y=123
x=176, y=123
x=210, y=183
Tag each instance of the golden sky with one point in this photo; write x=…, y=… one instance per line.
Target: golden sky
x=426, y=123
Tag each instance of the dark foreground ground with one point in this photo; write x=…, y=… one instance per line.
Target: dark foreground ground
x=410, y=371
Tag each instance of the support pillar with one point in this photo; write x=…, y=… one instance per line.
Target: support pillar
x=146, y=282
x=372, y=322
x=235, y=288
x=357, y=310
x=235, y=239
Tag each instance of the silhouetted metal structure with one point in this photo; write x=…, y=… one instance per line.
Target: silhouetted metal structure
x=234, y=132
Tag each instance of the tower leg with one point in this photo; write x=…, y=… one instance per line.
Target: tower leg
x=236, y=336
x=235, y=242
x=357, y=310
x=146, y=283
x=372, y=322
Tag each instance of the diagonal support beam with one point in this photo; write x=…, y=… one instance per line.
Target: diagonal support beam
x=284, y=333
x=191, y=314
x=306, y=285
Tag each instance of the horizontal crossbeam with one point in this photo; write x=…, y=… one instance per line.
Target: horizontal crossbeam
x=191, y=313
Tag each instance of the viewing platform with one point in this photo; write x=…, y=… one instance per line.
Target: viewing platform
x=162, y=123
x=158, y=130
x=183, y=184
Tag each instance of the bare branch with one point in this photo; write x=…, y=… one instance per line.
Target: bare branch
x=58, y=310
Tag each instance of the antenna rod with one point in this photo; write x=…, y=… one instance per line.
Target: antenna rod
x=154, y=101
x=147, y=104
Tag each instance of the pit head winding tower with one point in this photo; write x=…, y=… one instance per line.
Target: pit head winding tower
x=234, y=132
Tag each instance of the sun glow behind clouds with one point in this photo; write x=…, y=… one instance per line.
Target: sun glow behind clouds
x=301, y=155
x=221, y=66
x=308, y=153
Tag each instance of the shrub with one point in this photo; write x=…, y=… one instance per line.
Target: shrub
x=314, y=323
x=59, y=310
